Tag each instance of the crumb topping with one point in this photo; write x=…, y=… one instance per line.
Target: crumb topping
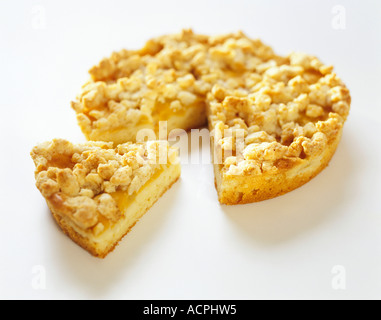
x=288, y=107
x=81, y=178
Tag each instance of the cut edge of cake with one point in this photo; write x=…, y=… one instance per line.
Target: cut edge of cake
x=101, y=246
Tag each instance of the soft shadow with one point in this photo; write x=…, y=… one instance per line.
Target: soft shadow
x=281, y=219
x=97, y=276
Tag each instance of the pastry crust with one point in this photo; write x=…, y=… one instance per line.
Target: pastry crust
x=275, y=121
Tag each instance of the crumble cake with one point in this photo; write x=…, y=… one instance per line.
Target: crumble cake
x=96, y=192
x=275, y=120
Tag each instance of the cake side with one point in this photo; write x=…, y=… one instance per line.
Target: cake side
x=101, y=246
x=242, y=189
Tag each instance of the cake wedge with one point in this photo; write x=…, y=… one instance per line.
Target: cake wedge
x=275, y=134
x=97, y=193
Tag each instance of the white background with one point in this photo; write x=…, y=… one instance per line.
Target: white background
x=188, y=246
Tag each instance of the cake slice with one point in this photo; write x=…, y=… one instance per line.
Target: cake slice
x=97, y=193
x=274, y=134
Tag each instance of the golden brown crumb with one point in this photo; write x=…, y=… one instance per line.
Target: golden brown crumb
x=287, y=109
x=80, y=178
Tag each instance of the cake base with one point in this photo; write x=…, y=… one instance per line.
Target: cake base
x=100, y=246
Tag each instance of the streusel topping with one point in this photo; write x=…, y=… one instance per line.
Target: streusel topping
x=287, y=107
x=291, y=112
x=130, y=87
x=81, y=178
